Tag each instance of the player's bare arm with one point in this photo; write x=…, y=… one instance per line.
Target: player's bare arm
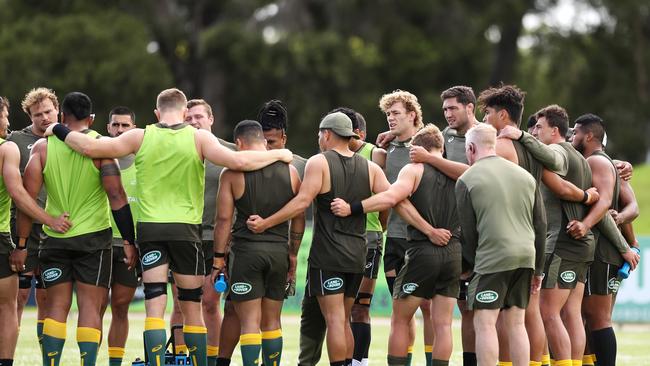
x=211, y=149
x=451, y=169
x=223, y=222
x=296, y=229
x=125, y=144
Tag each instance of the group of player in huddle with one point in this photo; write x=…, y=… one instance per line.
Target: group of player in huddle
x=524, y=231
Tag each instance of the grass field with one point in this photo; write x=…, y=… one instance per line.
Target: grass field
x=633, y=342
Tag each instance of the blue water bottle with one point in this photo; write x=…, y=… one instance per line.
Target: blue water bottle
x=624, y=271
x=220, y=285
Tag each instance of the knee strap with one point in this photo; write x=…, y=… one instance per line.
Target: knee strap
x=154, y=289
x=190, y=294
x=361, y=299
x=24, y=281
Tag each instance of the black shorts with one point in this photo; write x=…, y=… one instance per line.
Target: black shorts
x=322, y=283
x=500, y=290
x=373, y=255
x=254, y=273
x=36, y=237
x=122, y=275
x=183, y=257
x=429, y=271
x=208, y=255
x=5, y=266
x=60, y=265
x=395, y=252
x=562, y=272
x=602, y=279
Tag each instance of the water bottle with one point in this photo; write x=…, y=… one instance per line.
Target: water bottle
x=220, y=285
x=624, y=271
x=138, y=362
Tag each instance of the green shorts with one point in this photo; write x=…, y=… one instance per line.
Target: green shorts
x=563, y=273
x=374, y=240
x=257, y=270
x=428, y=271
x=500, y=290
x=602, y=279
x=183, y=257
x=321, y=282
x=122, y=275
x=60, y=265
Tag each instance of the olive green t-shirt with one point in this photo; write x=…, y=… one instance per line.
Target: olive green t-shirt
x=396, y=158
x=454, y=145
x=495, y=202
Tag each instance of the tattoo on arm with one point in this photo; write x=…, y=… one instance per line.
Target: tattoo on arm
x=109, y=170
x=294, y=242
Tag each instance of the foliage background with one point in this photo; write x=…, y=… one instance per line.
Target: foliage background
x=319, y=54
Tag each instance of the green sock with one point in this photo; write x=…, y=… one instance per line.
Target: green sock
x=53, y=340
x=115, y=356
x=88, y=341
x=397, y=361
x=250, y=345
x=196, y=339
x=39, y=333
x=409, y=356
x=272, y=347
x=213, y=353
x=428, y=349
x=155, y=339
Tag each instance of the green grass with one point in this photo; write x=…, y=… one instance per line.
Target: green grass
x=640, y=183
x=632, y=343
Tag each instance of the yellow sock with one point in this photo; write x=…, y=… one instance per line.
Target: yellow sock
x=587, y=360
x=115, y=352
x=180, y=348
x=564, y=363
x=505, y=363
x=54, y=329
x=428, y=348
x=213, y=351
x=535, y=363
x=546, y=359
x=576, y=362
x=409, y=349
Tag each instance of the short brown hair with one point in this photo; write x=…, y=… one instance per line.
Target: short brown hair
x=194, y=102
x=171, y=99
x=409, y=100
x=463, y=94
x=429, y=137
x=555, y=116
x=36, y=96
x=508, y=97
x=4, y=103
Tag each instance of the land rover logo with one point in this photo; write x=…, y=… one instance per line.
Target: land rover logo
x=241, y=288
x=487, y=296
x=52, y=274
x=613, y=284
x=568, y=276
x=151, y=257
x=409, y=287
x=333, y=284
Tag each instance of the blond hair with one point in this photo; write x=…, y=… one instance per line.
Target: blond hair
x=171, y=99
x=429, y=137
x=482, y=135
x=409, y=100
x=37, y=95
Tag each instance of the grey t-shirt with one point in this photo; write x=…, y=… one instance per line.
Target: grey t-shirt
x=397, y=157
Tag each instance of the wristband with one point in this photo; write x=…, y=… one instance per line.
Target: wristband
x=61, y=131
x=219, y=255
x=22, y=244
x=356, y=208
x=124, y=222
x=585, y=198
